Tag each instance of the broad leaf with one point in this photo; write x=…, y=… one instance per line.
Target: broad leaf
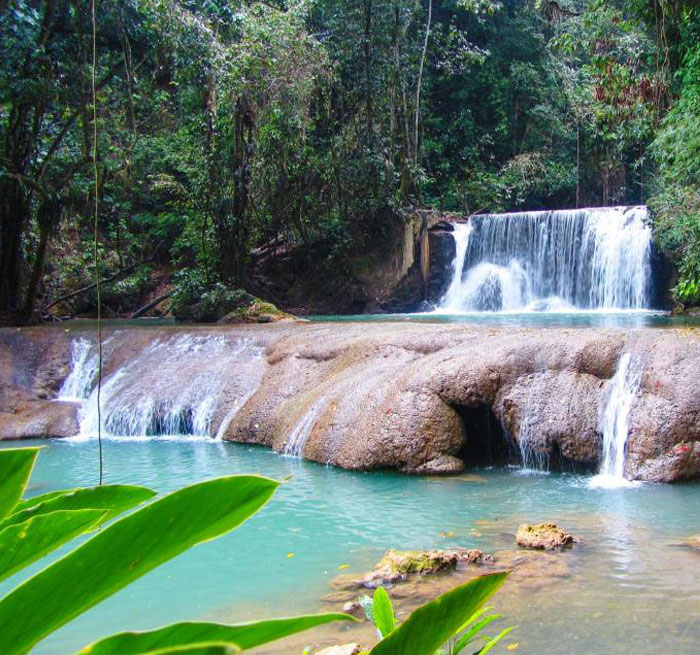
x=123, y=552
x=207, y=648
x=112, y=498
x=245, y=635
x=15, y=466
x=431, y=625
x=26, y=542
x=383, y=612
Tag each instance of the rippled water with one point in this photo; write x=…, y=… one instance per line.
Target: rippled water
x=626, y=589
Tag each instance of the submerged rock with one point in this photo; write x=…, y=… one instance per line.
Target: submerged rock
x=545, y=536
x=345, y=649
x=442, y=465
x=692, y=543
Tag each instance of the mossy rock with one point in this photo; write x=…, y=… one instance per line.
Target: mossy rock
x=397, y=565
x=258, y=311
x=544, y=536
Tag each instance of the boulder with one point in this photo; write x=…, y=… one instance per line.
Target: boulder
x=398, y=565
x=545, y=536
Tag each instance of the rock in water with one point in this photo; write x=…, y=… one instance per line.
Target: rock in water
x=397, y=565
x=545, y=536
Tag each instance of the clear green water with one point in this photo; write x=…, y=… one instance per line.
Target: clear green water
x=573, y=319
x=626, y=589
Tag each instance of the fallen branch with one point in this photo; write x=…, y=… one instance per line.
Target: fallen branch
x=147, y=307
x=82, y=290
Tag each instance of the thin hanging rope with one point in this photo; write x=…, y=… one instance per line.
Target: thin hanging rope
x=95, y=249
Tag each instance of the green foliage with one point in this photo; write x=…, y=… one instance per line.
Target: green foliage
x=245, y=635
x=443, y=626
x=119, y=554
x=383, y=612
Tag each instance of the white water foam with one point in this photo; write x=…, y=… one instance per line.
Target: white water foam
x=296, y=441
x=624, y=388
x=564, y=260
x=175, y=388
x=77, y=386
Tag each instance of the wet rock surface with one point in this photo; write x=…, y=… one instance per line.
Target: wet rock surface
x=423, y=398
x=544, y=536
x=40, y=419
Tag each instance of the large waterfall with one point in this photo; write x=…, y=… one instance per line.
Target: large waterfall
x=552, y=260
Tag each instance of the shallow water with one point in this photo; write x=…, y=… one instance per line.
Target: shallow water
x=554, y=319
x=626, y=589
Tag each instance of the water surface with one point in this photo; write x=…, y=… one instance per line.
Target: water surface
x=625, y=589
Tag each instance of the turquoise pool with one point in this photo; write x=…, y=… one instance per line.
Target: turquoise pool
x=626, y=588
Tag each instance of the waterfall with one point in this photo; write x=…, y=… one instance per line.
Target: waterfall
x=533, y=448
x=176, y=387
x=624, y=387
x=296, y=441
x=552, y=261
x=77, y=386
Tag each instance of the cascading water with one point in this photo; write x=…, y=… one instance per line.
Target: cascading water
x=552, y=260
x=77, y=386
x=174, y=387
x=296, y=441
x=624, y=387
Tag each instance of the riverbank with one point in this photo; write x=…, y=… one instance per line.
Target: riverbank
x=419, y=398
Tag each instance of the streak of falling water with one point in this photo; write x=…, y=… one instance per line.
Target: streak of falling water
x=77, y=386
x=296, y=441
x=624, y=387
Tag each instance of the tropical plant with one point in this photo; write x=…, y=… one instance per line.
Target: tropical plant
x=117, y=555
x=444, y=626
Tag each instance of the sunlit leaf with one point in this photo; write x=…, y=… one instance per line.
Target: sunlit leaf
x=26, y=542
x=383, y=612
x=111, y=498
x=15, y=466
x=245, y=635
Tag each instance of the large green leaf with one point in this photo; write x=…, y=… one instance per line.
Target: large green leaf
x=123, y=552
x=383, y=612
x=245, y=635
x=26, y=542
x=111, y=498
x=431, y=625
x=15, y=467
x=207, y=648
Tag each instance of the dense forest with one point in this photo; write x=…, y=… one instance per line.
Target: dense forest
x=162, y=145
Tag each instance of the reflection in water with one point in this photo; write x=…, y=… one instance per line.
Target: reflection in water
x=621, y=590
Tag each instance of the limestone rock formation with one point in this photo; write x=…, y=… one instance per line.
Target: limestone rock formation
x=418, y=398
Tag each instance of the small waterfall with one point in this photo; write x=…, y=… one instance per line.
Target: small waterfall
x=624, y=387
x=77, y=386
x=535, y=458
x=552, y=261
x=296, y=441
x=175, y=388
